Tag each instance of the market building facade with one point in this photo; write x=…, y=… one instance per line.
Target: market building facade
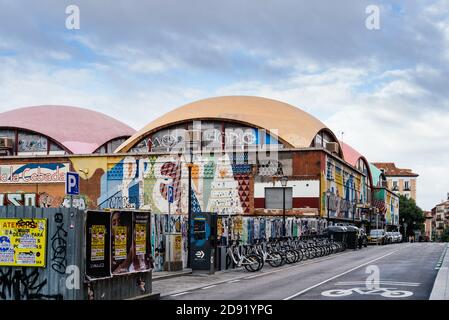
x=260, y=164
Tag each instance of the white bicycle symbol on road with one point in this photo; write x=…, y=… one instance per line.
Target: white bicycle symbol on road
x=384, y=292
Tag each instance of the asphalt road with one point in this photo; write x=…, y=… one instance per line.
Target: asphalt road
x=398, y=271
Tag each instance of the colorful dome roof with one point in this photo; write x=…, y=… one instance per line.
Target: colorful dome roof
x=79, y=130
x=291, y=125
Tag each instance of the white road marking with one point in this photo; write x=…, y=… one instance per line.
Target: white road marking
x=232, y=281
x=180, y=294
x=393, y=283
x=316, y=260
x=384, y=292
x=208, y=287
x=337, y=276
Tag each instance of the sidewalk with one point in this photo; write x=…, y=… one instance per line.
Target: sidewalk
x=162, y=275
x=194, y=280
x=440, y=289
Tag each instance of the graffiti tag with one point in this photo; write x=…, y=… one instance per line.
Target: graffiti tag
x=59, y=246
x=23, y=284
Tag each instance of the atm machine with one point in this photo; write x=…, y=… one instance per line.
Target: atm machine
x=203, y=235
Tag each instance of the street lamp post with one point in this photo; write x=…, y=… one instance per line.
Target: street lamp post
x=284, y=180
x=189, y=215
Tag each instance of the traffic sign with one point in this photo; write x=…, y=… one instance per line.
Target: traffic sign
x=72, y=183
x=170, y=194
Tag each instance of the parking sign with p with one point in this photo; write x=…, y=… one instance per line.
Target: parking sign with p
x=171, y=195
x=72, y=183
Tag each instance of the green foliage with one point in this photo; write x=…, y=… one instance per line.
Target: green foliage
x=411, y=214
x=445, y=236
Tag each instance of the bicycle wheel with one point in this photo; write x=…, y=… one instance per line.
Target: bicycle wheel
x=252, y=263
x=228, y=262
x=290, y=256
x=275, y=259
x=305, y=253
x=300, y=255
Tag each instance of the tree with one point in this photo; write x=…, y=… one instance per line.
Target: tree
x=411, y=214
x=445, y=236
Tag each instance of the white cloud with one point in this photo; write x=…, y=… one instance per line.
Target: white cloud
x=386, y=90
x=34, y=84
x=383, y=123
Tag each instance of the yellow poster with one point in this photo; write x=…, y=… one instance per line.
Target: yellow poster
x=177, y=252
x=23, y=242
x=141, y=238
x=97, y=248
x=120, y=243
x=219, y=227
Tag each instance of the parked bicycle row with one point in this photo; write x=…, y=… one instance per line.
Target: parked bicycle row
x=280, y=251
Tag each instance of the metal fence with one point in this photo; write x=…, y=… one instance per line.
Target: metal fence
x=63, y=277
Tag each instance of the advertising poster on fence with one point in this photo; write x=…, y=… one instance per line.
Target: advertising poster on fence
x=121, y=241
x=98, y=245
x=142, y=246
x=23, y=242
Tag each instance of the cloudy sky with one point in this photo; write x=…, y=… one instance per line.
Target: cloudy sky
x=386, y=89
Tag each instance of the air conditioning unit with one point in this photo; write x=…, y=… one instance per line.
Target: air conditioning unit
x=6, y=143
x=332, y=147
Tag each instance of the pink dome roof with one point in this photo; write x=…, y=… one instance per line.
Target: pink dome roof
x=77, y=129
x=350, y=154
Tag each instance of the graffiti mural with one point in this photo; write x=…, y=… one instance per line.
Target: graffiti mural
x=218, y=185
x=388, y=204
x=342, y=190
x=32, y=143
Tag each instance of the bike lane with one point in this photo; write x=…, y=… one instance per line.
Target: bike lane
x=408, y=273
x=277, y=283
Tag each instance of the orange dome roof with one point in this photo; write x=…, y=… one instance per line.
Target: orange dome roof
x=294, y=126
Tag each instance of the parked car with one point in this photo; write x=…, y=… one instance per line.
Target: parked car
x=377, y=236
x=390, y=237
x=398, y=237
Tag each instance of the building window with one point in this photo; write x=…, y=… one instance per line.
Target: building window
x=329, y=172
x=407, y=185
x=32, y=144
x=318, y=141
x=395, y=186
x=274, y=198
x=55, y=149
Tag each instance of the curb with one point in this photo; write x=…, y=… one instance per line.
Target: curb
x=440, y=290
x=171, y=275
x=150, y=296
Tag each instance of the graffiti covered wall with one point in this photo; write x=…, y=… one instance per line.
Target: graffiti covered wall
x=388, y=204
x=342, y=188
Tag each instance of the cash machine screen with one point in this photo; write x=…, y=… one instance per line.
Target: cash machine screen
x=199, y=229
